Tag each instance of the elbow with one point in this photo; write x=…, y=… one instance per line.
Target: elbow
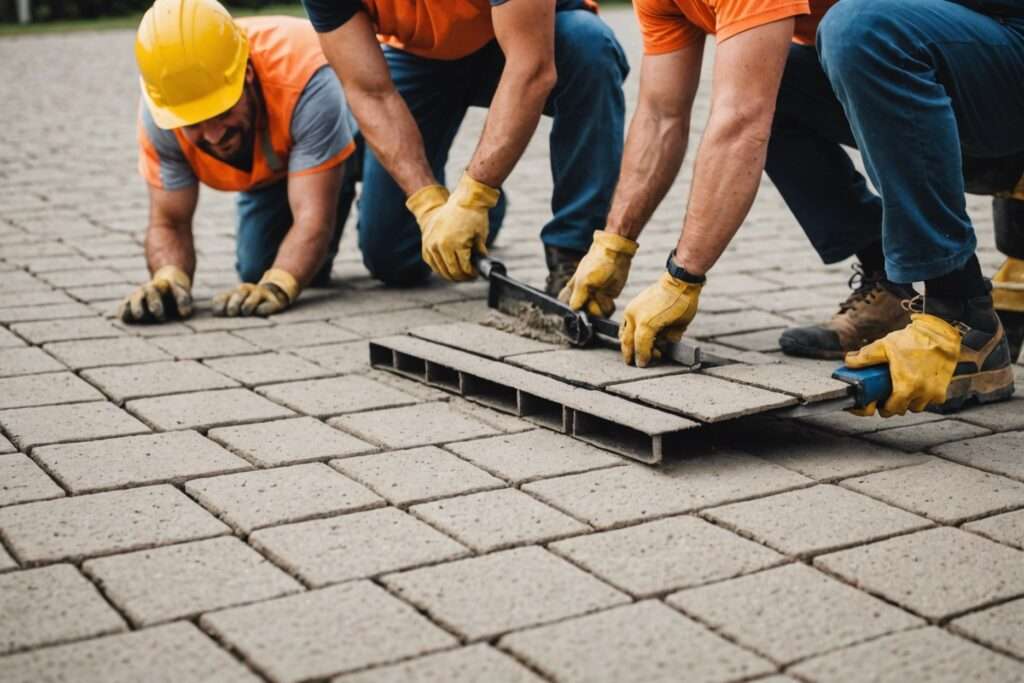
x=537, y=77
x=744, y=125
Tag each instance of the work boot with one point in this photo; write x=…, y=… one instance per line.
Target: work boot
x=870, y=312
x=562, y=265
x=1008, y=298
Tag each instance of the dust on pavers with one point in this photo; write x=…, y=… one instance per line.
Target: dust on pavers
x=295, y=334
x=250, y=500
x=325, y=632
x=204, y=345
x=26, y=361
x=943, y=491
x=485, y=341
x=125, y=382
x=1000, y=416
x=336, y=395
x=593, y=368
x=30, y=427
x=792, y=612
x=265, y=368
x=393, y=322
x=805, y=384
x=341, y=358
x=1000, y=627
x=184, y=580
x=657, y=557
x=468, y=311
x=622, y=495
x=648, y=642
x=1007, y=528
x=289, y=441
x=104, y=523
x=520, y=587
x=20, y=314
x=937, y=573
x=920, y=437
x=172, y=457
x=51, y=605
x=419, y=425
x=204, y=409
x=65, y=330
x=417, y=475
x=719, y=324
x=928, y=654
x=999, y=453
x=21, y=481
x=472, y=664
x=354, y=546
x=163, y=654
x=702, y=397
x=27, y=391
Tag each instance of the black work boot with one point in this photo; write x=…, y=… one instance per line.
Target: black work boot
x=562, y=265
x=1008, y=298
x=871, y=311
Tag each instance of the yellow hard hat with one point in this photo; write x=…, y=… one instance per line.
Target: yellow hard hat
x=192, y=58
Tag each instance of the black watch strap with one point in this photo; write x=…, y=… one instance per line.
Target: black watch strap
x=680, y=273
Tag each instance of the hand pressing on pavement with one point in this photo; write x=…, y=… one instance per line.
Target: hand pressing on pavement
x=601, y=275
x=167, y=295
x=276, y=291
x=660, y=313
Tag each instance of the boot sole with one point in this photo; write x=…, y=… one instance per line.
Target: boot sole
x=801, y=351
x=982, y=387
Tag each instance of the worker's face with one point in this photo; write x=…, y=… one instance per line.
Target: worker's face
x=228, y=136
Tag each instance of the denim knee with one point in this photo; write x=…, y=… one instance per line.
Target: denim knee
x=857, y=35
x=249, y=269
x=587, y=53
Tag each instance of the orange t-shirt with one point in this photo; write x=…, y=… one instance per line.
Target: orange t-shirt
x=670, y=25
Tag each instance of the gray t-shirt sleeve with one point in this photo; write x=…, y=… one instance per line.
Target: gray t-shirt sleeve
x=175, y=172
x=322, y=125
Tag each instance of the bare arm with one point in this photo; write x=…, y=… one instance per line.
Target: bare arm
x=313, y=200
x=169, y=234
x=748, y=69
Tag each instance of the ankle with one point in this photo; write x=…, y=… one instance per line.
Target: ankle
x=965, y=282
x=975, y=312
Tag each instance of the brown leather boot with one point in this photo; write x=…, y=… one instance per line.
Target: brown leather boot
x=870, y=312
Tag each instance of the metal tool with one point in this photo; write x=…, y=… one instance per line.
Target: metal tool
x=867, y=385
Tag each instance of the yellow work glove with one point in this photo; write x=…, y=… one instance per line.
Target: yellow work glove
x=601, y=274
x=277, y=290
x=922, y=358
x=1008, y=286
x=167, y=294
x=662, y=312
x=452, y=232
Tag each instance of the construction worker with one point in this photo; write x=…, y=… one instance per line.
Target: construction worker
x=520, y=58
x=908, y=81
x=249, y=106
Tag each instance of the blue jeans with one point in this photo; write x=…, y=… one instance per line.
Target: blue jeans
x=915, y=85
x=588, y=110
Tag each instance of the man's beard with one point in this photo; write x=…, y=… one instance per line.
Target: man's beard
x=242, y=158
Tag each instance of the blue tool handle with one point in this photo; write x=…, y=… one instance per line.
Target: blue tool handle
x=870, y=384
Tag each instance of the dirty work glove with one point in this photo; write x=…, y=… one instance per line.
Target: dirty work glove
x=601, y=274
x=167, y=294
x=921, y=357
x=1008, y=286
x=454, y=231
x=662, y=312
x=276, y=291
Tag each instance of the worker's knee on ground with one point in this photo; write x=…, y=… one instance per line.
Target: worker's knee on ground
x=587, y=54
x=250, y=267
x=396, y=272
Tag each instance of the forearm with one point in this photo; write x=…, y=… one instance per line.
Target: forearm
x=168, y=244
x=303, y=251
x=392, y=134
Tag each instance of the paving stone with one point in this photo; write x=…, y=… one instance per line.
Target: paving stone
x=203, y=321
x=9, y=339
x=39, y=390
x=999, y=453
x=203, y=409
x=21, y=481
x=30, y=427
x=419, y=425
x=996, y=416
x=26, y=361
x=928, y=654
x=485, y=341
x=20, y=314
x=416, y=475
x=181, y=581
x=125, y=382
x=621, y=495
x=164, y=654
x=608, y=647
x=719, y=324
x=701, y=397
x=472, y=664
x=266, y=367
x=943, y=491
x=92, y=276
x=355, y=546
x=340, y=358
x=33, y=298
x=1001, y=627
x=847, y=423
x=63, y=330
x=298, y=334
x=925, y=436
x=665, y=555
x=762, y=340
x=805, y=384
x=92, y=353
x=283, y=442
x=521, y=587
x=6, y=561
x=136, y=460
x=6, y=446
x=936, y=573
x=204, y=345
x=104, y=523
x=336, y=395
x=325, y=632
x=250, y=500
x=51, y=605
x=791, y=612
x=392, y=322
x=1006, y=528
x=501, y=421
x=591, y=367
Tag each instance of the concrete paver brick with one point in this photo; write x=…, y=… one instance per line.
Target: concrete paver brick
x=21, y=481
x=1007, y=528
x=997, y=416
x=203, y=409
x=6, y=561
x=30, y=427
x=719, y=324
x=418, y=425
x=47, y=389
x=847, y=423
x=592, y=368
x=999, y=453
x=1001, y=627
x=64, y=330
x=325, y=632
x=183, y=580
x=416, y=475
x=925, y=436
x=665, y=555
x=485, y=341
x=250, y=500
x=354, y=546
x=104, y=523
x=504, y=422
x=393, y=322
x=51, y=605
x=792, y=612
x=808, y=385
x=9, y=340
x=936, y=573
x=26, y=361
x=33, y=298
x=336, y=395
x=704, y=398
x=92, y=276
x=59, y=311
x=472, y=664
x=172, y=457
x=6, y=446
x=521, y=587
x=760, y=341
x=266, y=367
x=205, y=323
x=299, y=334
x=607, y=647
x=291, y=441
x=92, y=353
x=204, y=345
x=341, y=358
x=126, y=382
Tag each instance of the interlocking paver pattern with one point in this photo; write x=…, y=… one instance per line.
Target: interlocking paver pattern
x=125, y=382
x=292, y=441
x=21, y=481
x=29, y=427
x=466, y=665
x=204, y=409
x=46, y=389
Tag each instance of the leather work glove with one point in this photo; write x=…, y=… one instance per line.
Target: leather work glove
x=662, y=311
x=921, y=357
x=601, y=274
x=452, y=232
x=168, y=293
x=276, y=291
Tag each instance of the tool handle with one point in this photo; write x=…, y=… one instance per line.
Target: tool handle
x=486, y=265
x=871, y=384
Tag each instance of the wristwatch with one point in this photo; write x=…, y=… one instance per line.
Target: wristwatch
x=680, y=273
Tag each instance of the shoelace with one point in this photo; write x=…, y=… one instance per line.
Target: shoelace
x=916, y=305
x=864, y=287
